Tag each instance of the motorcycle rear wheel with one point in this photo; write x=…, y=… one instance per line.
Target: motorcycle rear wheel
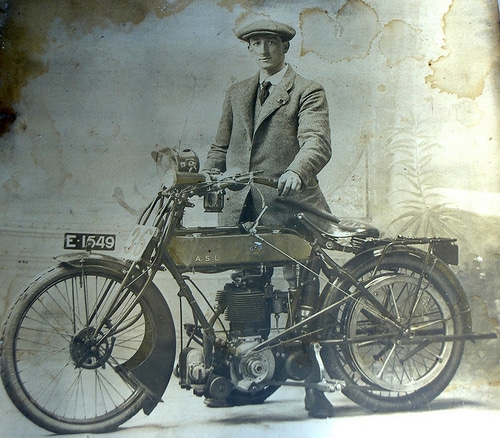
x=53, y=369
x=394, y=369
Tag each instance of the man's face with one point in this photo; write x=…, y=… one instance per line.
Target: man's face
x=269, y=51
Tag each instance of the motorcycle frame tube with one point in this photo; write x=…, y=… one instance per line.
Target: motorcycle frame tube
x=329, y=265
x=426, y=258
x=173, y=222
x=342, y=274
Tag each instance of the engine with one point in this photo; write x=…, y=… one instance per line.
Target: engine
x=247, y=304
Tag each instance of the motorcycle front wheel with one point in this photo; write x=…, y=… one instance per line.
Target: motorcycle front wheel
x=57, y=365
x=402, y=366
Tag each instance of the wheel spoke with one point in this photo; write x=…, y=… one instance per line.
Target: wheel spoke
x=395, y=366
x=391, y=351
x=404, y=355
x=68, y=364
x=53, y=360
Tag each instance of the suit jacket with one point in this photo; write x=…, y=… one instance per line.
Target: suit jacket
x=291, y=132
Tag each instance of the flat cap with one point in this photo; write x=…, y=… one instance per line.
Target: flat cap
x=265, y=27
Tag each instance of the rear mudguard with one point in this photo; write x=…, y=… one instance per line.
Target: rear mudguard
x=155, y=371
x=429, y=260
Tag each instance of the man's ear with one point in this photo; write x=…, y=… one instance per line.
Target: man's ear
x=286, y=46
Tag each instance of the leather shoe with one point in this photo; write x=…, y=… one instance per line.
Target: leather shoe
x=317, y=404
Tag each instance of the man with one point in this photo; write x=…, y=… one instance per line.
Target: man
x=275, y=122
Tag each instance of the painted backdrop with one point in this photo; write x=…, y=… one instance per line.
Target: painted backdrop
x=88, y=88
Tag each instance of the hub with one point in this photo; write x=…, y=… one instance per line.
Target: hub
x=88, y=351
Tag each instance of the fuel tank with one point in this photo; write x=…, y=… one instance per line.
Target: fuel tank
x=207, y=249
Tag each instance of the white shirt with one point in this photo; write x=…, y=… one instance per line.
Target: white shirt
x=275, y=79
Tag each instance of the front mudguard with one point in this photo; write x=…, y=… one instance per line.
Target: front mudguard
x=154, y=371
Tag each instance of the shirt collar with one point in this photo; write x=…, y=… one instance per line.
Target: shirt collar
x=276, y=78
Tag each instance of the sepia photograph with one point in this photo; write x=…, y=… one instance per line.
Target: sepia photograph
x=245, y=218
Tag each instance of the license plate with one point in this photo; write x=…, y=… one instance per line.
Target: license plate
x=103, y=242
x=137, y=242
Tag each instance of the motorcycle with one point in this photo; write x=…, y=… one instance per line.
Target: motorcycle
x=91, y=341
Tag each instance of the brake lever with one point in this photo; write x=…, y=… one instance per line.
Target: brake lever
x=238, y=181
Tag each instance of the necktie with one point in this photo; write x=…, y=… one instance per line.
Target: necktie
x=264, y=91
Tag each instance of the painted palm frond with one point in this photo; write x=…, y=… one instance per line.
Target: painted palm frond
x=411, y=149
x=436, y=220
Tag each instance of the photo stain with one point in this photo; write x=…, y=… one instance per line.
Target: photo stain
x=246, y=4
x=336, y=37
x=400, y=41
x=471, y=50
x=24, y=35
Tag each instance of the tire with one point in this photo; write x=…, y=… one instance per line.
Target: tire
x=394, y=368
x=48, y=367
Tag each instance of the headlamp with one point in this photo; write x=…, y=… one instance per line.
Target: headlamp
x=170, y=163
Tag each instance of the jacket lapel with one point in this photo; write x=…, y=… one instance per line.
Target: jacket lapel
x=248, y=104
x=278, y=98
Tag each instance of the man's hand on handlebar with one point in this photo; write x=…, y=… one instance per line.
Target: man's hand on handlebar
x=221, y=181
x=237, y=181
x=288, y=183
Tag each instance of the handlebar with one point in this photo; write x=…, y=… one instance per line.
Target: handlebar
x=204, y=183
x=271, y=182
x=234, y=182
x=238, y=182
x=211, y=186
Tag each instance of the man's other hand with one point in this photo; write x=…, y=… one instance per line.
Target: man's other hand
x=287, y=182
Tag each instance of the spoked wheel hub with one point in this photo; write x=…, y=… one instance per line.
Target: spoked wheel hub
x=88, y=350
x=406, y=333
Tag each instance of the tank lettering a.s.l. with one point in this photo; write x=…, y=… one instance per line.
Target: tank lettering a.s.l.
x=214, y=258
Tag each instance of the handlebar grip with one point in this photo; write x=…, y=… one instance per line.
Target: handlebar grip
x=238, y=182
x=188, y=178
x=241, y=182
x=271, y=182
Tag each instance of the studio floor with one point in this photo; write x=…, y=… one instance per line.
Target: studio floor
x=461, y=411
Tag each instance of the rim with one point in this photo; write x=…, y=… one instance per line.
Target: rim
x=60, y=365
x=398, y=366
